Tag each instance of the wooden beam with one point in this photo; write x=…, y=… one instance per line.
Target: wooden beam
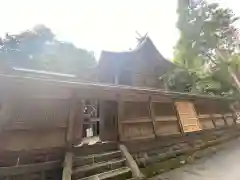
x=72, y=115
x=67, y=166
x=131, y=163
x=152, y=115
x=120, y=116
x=30, y=168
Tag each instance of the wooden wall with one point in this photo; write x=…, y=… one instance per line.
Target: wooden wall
x=166, y=122
x=147, y=119
x=135, y=122
x=215, y=114
x=37, y=123
x=150, y=118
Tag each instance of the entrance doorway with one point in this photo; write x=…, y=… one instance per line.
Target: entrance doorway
x=100, y=121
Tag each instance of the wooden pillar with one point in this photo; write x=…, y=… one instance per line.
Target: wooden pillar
x=5, y=113
x=212, y=110
x=131, y=163
x=75, y=122
x=152, y=115
x=225, y=120
x=213, y=120
x=120, y=117
x=67, y=166
x=73, y=134
x=234, y=108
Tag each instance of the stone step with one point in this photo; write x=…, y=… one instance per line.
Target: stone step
x=96, y=158
x=97, y=168
x=116, y=174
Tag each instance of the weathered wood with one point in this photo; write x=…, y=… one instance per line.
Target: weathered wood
x=138, y=120
x=225, y=120
x=131, y=162
x=120, y=117
x=120, y=173
x=108, y=120
x=30, y=140
x=135, y=131
x=96, y=158
x=67, y=166
x=78, y=124
x=75, y=121
x=152, y=115
x=71, y=120
x=25, y=83
x=188, y=116
x=178, y=119
x=5, y=112
x=100, y=167
x=95, y=148
x=30, y=168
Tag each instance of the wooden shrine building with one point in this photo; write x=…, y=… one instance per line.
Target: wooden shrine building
x=129, y=113
x=141, y=66
x=42, y=119
x=46, y=116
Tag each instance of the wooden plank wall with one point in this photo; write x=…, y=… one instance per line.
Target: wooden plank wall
x=166, y=121
x=37, y=123
x=150, y=118
x=147, y=119
x=215, y=114
x=136, y=122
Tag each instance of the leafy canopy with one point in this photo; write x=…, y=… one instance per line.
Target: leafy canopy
x=39, y=49
x=207, y=48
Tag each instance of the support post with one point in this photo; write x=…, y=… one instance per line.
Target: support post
x=5, y=112
x=75, y=122
x=213, y=120
x=120, y=112
x=152, y=115
x=67, y=166
x=73, y=133
x=225, y=120
x=131, y=163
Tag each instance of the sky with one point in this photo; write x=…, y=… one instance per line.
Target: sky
x=99, y=24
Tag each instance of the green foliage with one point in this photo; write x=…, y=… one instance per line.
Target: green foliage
x=179, y=79
x=208, y=46
x=38, y=49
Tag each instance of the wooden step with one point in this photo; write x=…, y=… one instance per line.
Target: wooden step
x=100, y=147
x=116, y=174
x=95, y=158
x=89, y=170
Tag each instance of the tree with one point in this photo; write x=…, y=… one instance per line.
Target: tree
x=39, y=49
x=208, y=43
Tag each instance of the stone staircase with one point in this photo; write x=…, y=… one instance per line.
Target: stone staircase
x=98, y=163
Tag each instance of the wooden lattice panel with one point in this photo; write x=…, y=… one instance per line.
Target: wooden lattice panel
x=188, y=116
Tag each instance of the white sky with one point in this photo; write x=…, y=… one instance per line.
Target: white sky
x=99, y=24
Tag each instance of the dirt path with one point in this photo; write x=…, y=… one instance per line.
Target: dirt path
x=224, y=165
